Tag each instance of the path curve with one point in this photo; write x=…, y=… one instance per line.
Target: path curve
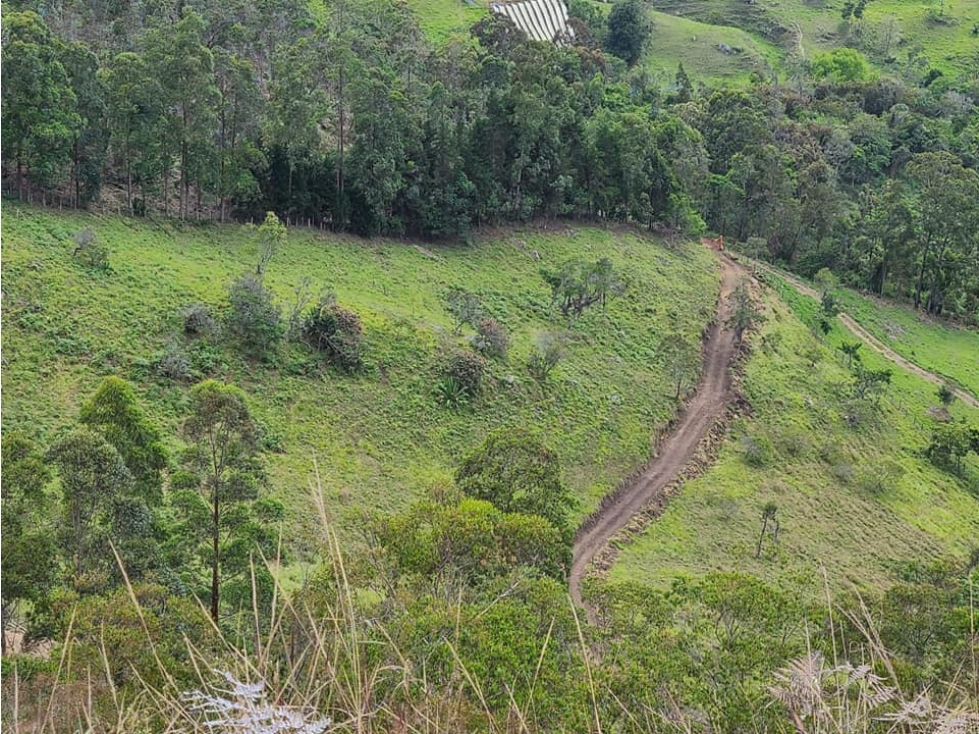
x=676, y=451
x=878, y=346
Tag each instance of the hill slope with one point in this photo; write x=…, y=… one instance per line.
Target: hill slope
x=853, y=502
x=380, y=438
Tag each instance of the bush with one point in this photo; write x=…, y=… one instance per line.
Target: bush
x=174, y=364
x=450, y=392
x=843, y=472
x=757, y=452
x=89, y=251
x=335, y=332
x=466, y=370
x=465, y=308
x=492, y=338
x=255, y=320
x=199, y=321
x=545, y=356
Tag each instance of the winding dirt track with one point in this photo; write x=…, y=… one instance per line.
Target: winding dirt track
x=676, y=451
x=872, y=341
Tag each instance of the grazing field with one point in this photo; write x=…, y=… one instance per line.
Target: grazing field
x=709, y=53
x=889, y=33
x=854, y=503
x=382, y=437
x=938, y=346
x=443, y=18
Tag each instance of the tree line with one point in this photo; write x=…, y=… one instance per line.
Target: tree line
x=353, y=120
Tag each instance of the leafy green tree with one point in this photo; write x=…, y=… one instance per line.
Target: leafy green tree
x=680, y=360
x=40, y=114
x=684, y=87
x=271, y=236
x=745, y=314
x=515, y=471
x=91, y=139
x=297, y=103
x=178, y=57
x=255, y=319
x=840, y=65
x=948, y=220
x=238, y=114
x=114, y=412
x=949, y=444
x=629, y=30
x=92, y=474
x=870, y=384
x=469, y=542
x=136, y=122
x=887, y=233
x=577, y=285
x=30, y=556
x=222, y=457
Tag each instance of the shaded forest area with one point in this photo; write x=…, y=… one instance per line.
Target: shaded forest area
x=353, y=120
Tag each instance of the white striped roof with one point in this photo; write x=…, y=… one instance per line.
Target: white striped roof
x=542, y=20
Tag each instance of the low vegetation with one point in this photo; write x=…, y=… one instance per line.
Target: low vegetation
x=592, y=385
x=844, y=459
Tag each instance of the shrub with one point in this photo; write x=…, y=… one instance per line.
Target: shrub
x=491, y=338
x=199, y=321
x=843, y=472
x=464, y=307
x=174, y=364
x=945, y=394
x=335, y=332
x=545, y=355
x=756, y=451
x=466, y=369
x=450, y=392
x=793, y=442
x=255, y=320
x=89, y=251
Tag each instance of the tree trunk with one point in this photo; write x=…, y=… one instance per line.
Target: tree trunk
x=75, y=186
x=215, y=561
x=129, y=185
x=761, y=537
x=921, y=275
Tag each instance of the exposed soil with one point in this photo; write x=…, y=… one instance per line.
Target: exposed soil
x=646, y=493
x=872, y=341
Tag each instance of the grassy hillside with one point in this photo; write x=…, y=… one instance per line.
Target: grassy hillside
x=761, y=34
x=890, y=28
x=380, y=438
x=698, y=46
x=856, y=502
x=441, y=18
x=934, y=344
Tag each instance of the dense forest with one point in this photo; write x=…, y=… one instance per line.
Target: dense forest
x=153, y=575
x=351, y=119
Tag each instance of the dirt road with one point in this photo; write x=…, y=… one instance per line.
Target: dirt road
x=872, y=341
x=675, y=451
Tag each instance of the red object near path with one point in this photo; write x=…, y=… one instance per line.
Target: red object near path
x=716, y=243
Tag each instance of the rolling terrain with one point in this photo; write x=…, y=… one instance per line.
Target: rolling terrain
x=856, y=502
x=767, y=36
x=380, y=438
